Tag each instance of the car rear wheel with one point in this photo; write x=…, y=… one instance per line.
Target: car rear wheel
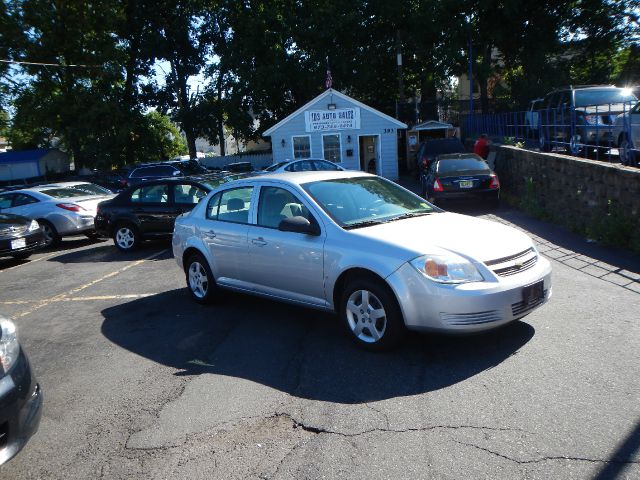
x=200, y=282
x=50, y=234
x=126, y=237
x=371, y=314
x=626, y=152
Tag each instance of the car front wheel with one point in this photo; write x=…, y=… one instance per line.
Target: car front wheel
x=200, y=281
x=372, y=315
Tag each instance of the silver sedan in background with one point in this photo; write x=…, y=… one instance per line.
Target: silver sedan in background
x=378, y=255
x=63, y=209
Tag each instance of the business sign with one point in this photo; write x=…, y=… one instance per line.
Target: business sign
x=339, y=119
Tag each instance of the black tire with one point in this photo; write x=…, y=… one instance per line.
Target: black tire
x=543, y=142
x=368, y=332
x=200, y=282
x=625, y=151
x=92, y=235
x=51, y=236
x=126, y=237
x=494, y=203
x=21, y=255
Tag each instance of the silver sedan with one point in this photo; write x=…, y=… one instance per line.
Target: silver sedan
x=62, y=209
x=379, y=256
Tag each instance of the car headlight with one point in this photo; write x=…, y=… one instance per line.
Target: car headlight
x=448, y=268
x=34, y=225
x=9, y=346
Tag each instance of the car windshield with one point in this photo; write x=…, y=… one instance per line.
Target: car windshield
x=363, y=201
x=91, y=189
x=66, y=192
x=466, y=164
x=190, y=167
x=585, y=98
x=273, y=168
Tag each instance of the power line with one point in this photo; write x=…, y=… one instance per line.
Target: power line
x=17, y=62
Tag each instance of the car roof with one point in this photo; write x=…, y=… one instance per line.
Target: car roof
x=459, y=156
x=300, y=178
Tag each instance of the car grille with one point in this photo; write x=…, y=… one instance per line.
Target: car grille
x=514, y=263
x=519, y=308
x=475, y=318
x=4, y=435
x=13, y=230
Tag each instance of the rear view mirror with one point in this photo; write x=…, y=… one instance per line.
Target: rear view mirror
x=299, y=225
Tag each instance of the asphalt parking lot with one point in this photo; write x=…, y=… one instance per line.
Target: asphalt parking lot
x=140, y=382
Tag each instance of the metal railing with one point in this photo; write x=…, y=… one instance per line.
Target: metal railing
x=609, y=132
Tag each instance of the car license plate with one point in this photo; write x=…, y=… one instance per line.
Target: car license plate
x=465, y=183
x=18, y=243
x=533, y=293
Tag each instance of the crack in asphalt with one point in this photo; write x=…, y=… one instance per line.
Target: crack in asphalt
x=546, y=458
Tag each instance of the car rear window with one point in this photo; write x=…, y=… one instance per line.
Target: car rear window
x=586, y=98
x=65, y=192
x=467, y=164
x=91, y=189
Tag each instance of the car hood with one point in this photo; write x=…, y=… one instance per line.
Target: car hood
x=479, y=239
x=7, y=219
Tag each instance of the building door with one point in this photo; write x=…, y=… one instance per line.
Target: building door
x=369, y=158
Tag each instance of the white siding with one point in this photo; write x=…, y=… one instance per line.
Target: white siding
x=370, y=124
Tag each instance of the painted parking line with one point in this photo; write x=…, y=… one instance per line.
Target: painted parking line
x=82, y=299
x=67, y=296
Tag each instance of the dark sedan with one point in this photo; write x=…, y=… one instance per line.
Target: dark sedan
x=148, y=210
x=19, y=236
x=460, y=176
x=20, y=394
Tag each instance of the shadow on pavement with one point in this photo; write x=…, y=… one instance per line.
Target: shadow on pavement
x=623, y=455
x=65, y=244
x=295, y=350
x=107, y=252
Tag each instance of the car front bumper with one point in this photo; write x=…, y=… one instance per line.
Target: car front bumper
x=469, y=307
x=33, y=241
x=20, y=408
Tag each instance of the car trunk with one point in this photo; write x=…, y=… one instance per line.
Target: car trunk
x=89, y=203
x=465, y=181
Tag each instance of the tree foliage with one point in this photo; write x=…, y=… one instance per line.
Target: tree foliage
x=122, y=68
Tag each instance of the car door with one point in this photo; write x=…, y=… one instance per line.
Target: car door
x=22, y=204
x=285, y=264
x=150, y=205
x=634, y=126
x=224, y=234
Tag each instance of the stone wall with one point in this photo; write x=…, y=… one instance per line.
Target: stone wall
x=587, y=196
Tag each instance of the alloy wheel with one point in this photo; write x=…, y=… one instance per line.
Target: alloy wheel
x=366, y=316
x=125, y=238
x=198, y=280
x=48, y=234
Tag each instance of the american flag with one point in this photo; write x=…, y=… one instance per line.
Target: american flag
x=329, y=80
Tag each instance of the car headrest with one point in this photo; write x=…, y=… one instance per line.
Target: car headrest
x=235, y=204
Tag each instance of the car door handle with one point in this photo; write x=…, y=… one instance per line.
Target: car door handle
x=209, y=234
x=259, y=241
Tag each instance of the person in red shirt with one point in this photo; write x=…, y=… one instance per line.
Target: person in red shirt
x=481, y=147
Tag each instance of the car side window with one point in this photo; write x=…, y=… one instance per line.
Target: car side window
x=157, y=193
x=6, y=201
x=188, y=193
x=304, y=166
x=318, y=165
x=21, y=199
x=212, y=207
x=234, y=205
x=276, y=204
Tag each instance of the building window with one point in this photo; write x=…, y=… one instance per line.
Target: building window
x=301, y=147
x=331, y=148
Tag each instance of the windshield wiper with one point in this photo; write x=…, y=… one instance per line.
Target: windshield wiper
x=364, y=223
x=409, y=215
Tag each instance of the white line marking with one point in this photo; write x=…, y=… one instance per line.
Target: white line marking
x=65, y=296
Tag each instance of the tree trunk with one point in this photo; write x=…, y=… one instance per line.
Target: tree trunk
x=220, y=117
x=184, y=107
x=484, y=79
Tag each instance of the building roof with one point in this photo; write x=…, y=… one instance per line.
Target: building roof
x=23, y=156
x=338, y=94
x=432, y=125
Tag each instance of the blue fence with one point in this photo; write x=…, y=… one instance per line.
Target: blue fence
x=609, y=132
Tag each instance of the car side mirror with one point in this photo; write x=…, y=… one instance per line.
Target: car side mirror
x=299, y=225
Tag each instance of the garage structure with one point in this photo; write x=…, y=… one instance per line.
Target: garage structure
x=341, y=129
x=30, y=164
